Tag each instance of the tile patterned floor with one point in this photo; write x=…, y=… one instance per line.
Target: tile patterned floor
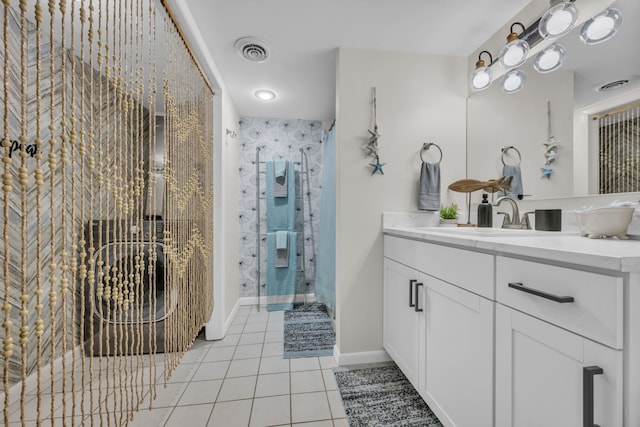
x=243, y=381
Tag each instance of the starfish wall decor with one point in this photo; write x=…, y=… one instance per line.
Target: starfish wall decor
x=551, y=147
x=377, y=166
x=371, y=147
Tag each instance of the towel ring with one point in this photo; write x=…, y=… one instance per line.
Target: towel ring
x=428, y=145
x=510, y=147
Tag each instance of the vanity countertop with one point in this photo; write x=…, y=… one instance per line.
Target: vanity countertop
x=608, y=254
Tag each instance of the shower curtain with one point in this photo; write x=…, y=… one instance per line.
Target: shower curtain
x=326, y=260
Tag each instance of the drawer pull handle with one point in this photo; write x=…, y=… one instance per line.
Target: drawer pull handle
x=520, y=287
x=411, y=282
x=418, y=310
x=588, y=372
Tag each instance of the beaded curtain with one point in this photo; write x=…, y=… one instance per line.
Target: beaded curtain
x=81, y=288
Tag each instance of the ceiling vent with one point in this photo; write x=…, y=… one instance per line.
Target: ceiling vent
x=616, y=84
x=252, y=49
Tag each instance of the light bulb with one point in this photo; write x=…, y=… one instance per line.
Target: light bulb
x=514, y=53
x=481, y=78
x=513, y=81
x=558, y=20
x=549, y=59
x=482, y=75
x=601, y=27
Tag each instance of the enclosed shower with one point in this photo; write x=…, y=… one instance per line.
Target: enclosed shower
x=284, y=200
x=265, y=144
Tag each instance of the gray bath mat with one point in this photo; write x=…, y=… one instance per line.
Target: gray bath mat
x=308, y=332
x=380, y=395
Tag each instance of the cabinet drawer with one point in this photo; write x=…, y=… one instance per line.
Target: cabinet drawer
x=595, y=312
x=469, y=270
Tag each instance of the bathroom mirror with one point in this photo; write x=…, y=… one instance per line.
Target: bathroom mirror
x=496, y=119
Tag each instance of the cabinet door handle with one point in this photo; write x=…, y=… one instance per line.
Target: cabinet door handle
x=411, y=282
x=520, y=287
x=418, y=310
x=588, y=372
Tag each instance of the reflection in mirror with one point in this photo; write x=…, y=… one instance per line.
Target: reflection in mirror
x=496, y=119
x=618, y=139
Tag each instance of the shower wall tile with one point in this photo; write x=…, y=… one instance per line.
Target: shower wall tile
x=278, y=139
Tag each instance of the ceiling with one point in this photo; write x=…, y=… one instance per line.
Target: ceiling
x=303, y=37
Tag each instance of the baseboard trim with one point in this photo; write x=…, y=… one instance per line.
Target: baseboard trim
x=360, y=358
x=216, y=333
x=263, y=299
x=232, y=315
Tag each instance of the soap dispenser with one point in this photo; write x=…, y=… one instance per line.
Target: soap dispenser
x=485, y=214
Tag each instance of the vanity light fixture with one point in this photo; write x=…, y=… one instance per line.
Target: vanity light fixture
x=482, y=76
x=558, y=20
x=265, y=95
x=515, y=52
x=513, y=81
x=601, y=27
x=550, y=58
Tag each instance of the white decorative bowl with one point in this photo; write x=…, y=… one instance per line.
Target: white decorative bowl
x=605, y=222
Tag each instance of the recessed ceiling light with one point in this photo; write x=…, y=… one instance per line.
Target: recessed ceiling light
x=265, y=95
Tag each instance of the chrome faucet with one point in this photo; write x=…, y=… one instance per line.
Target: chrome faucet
x=515, y=223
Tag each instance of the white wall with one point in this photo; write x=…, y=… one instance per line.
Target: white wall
x=419, y=98
x=225, y=217
x=496, y=119
x=231, y=190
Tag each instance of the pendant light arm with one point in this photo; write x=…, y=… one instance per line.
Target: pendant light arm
x=512, y=34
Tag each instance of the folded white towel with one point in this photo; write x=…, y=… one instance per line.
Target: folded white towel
x=282, y=238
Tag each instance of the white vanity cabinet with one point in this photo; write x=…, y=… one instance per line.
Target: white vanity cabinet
x=403, y=320
x=458, y=354
x=439, y=332
x=516, y=332
x=559, y=339
x=547, y=376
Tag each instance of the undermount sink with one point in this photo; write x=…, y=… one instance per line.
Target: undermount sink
x=484, y=232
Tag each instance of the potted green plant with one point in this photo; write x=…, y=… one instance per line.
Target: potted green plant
x=449, y=215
